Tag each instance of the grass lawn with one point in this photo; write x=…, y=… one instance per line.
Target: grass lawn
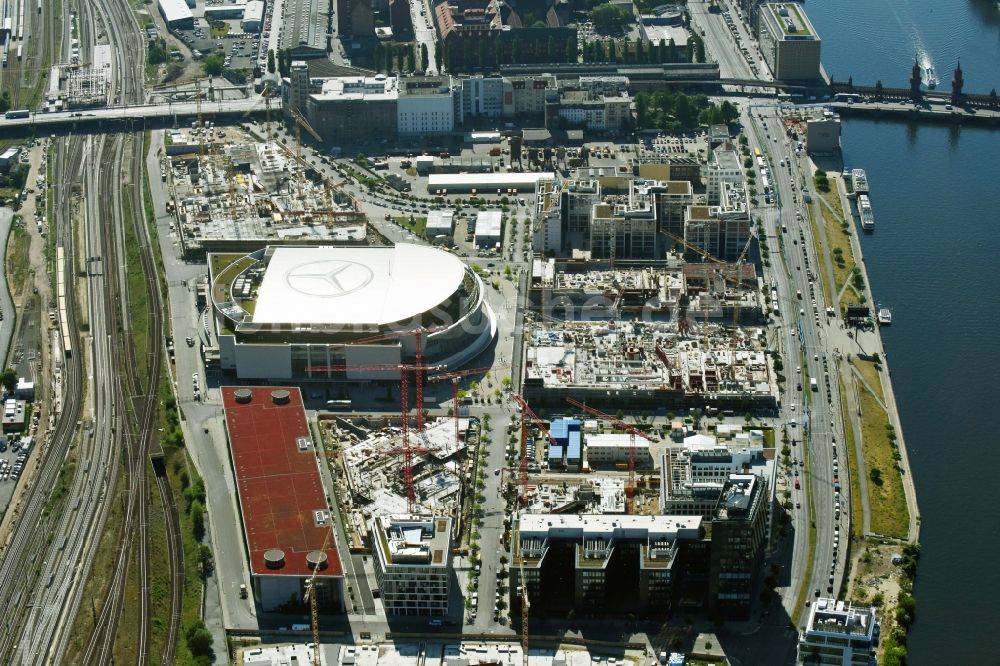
x=838, y=239
x=871, y=375
x=850, y=297
x=857, y=515
x=418, y=226
x=889, y=515
x=818, y=252
x=18, y=266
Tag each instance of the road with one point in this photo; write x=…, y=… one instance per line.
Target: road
x=423, y=31
x=806, y=342
x=721, y=44
x=135, y=112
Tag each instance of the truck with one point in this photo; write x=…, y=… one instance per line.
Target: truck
x=813, y=384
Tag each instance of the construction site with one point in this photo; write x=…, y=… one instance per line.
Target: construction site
x=230, y=193
x=677, y=363
x=569, y=289
x=80, y=85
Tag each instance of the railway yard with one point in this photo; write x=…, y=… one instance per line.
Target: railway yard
x=267, y=401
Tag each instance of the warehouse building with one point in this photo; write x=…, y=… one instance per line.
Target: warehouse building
x=413, y=563
x=489, y=228
x=286, y=518
x=332, y=313
x=305, y=28
x=253, y=16
x=486, y=183
x=440, y=225
x=176, y=14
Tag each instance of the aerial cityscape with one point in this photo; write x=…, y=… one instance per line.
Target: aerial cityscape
x=522, y=333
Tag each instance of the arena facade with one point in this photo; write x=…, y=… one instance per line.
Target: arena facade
x=345, y=313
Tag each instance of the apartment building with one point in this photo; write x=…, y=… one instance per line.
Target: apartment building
x=412, y=557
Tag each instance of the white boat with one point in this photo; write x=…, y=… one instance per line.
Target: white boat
x=865, y=211
x=884, y=316
x=930, y=78
x=859, y=179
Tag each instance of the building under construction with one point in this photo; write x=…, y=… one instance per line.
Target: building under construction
x=373, y=464
x=80, y=85
x=573, y=289
x=241, y=196
x=640, y=363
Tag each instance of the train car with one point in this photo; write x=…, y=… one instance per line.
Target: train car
x=61, y=298
x=20, y=51
x=39, y=6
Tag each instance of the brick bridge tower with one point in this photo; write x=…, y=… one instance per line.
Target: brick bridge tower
x=915, y=92
x=956, y=85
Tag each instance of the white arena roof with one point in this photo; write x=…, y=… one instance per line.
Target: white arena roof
x=355, y=285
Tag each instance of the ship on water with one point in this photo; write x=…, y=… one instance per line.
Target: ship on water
x=865, y=211
x=884, y=316
x=930, y=78
x=859, y=180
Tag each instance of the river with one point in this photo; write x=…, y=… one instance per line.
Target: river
x=935, y=260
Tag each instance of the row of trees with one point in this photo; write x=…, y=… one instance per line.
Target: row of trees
x=466, y=54
x=639, y=51
x=400, y=57
x=678, y=111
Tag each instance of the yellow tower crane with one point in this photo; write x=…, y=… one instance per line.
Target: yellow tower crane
x=310, y=597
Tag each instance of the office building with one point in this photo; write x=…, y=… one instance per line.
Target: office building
x=482, y=97
x=349, y=109
x=614, y=450
x=525, y=96
x=412, y=557
x=724, y=166
x=788, y=41
x=739, y=539
x=721, y=231
x=839, y=634
x=599, y=564
x=425, y=106
x=548, y=226
x=590, y=110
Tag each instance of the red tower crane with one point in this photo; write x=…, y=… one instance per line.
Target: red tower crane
x=630, y=489
x=525, y=414
x=455, y=378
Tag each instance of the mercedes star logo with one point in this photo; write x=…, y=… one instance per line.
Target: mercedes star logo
x=329, y=278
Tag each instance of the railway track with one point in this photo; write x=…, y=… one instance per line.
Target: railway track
x=19, y=574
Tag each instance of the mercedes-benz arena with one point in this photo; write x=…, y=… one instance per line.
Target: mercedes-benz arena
x=352, y=313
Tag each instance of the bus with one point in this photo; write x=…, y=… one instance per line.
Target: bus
x=21, y=113
x=757, y=153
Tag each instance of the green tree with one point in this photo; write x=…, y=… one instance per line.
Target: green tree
x=572, y=52
x=270, y=61
x=439, y=52
x=198, y=520
x=424, y=57
x=199, y=639
x=5, y=101
x=609, y=17
x=411, y=59
x=9, y=376
x=214, y=64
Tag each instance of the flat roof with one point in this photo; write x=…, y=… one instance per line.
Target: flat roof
x=605, y=526
x=355, y=285
x=278, y=482
x=797, y=15
x=488, y=223
x=487, y=180
x=175, y=10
